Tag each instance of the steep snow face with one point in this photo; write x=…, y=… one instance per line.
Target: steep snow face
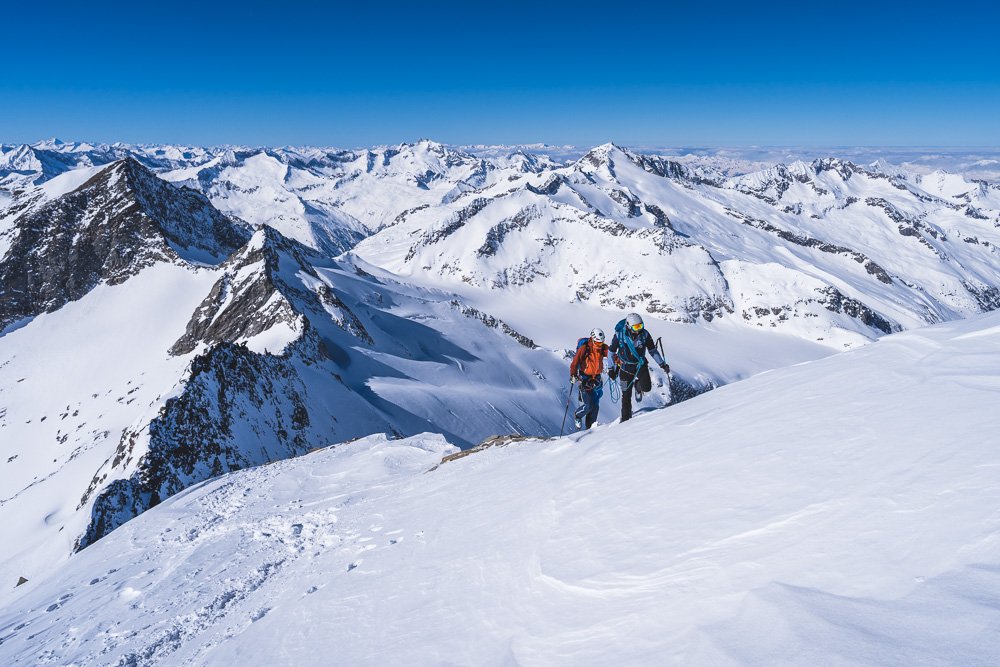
x=829, y=251
x=842, y=510
x=74, y=381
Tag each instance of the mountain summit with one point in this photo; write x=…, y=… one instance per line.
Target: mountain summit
x=120, y=221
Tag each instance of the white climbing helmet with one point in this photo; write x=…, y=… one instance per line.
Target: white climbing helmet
x=634, y=321
x=597, y=334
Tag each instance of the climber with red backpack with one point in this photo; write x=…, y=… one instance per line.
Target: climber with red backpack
x=628, y=351
x=586, y=369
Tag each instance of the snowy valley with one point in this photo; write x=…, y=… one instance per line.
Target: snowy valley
x=228, y=377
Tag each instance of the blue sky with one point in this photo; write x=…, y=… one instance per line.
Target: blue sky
x=351, y=74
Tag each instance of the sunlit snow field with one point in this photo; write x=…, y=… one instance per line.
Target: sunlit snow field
x=841, y=511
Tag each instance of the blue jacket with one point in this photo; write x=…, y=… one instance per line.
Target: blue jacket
x=642, y=341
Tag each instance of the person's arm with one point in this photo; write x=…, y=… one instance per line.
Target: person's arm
x=577, y=360
x=612, y=359
x=655, y=354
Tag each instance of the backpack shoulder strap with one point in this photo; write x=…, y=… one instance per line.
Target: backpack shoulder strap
x=626, y=341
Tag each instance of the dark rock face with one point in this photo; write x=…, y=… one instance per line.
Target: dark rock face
x=120, y=501
x=808, y=242
x=706, y=308
x=681, y=390
x=601, y=156
x=455, y=222
x=672, y=170
x=987, y=296
x=909, y=226
x=494, y=323
x=660, y=218
x=254, y=295
x=628, y=201
x=550, y=187
x=835, y=301
x=117, y=223
x=238, y=409
x=497, y=233
x=844, y=168
x=244, y=302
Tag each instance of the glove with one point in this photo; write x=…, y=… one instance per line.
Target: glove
x=573, y=379
x=613, y=372
x=665, y=367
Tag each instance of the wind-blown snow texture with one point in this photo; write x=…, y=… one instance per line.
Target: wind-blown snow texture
x=841, y=511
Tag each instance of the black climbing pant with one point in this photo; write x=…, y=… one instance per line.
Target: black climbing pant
x=631, y=381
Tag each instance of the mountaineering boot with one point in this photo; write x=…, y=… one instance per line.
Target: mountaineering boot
x=578, y=422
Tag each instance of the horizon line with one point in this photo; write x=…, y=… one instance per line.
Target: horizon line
x=694, y=145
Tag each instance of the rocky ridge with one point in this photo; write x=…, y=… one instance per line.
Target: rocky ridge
x=119, y=222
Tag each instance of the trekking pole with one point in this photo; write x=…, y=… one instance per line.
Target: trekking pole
x=670, y=376
x=569, y=395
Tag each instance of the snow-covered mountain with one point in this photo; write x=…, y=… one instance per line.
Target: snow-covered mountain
x=829, y=251
x=25, y=165
x=120, y=221
x=138, y=362
x=840, y=512
x=169, y=314
x=331, y=199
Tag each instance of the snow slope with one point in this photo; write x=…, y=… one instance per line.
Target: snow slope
x=841, y=511
x=74, y=381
